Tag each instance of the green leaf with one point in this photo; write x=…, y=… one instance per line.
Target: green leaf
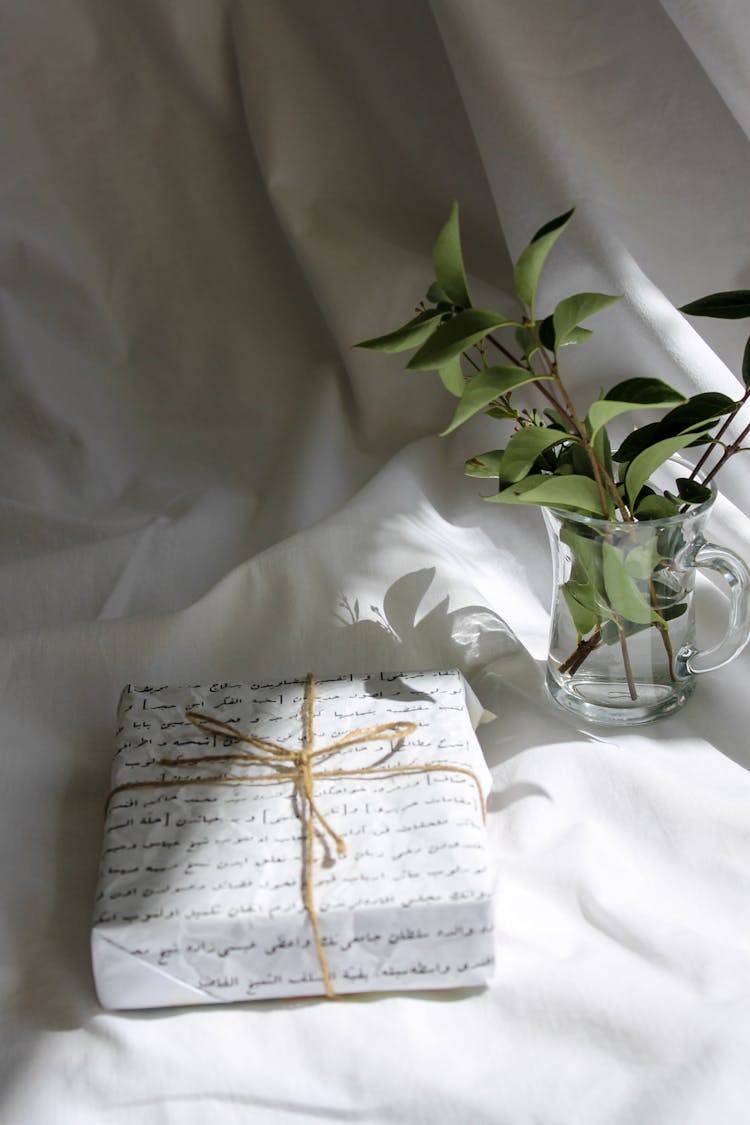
x=526, y=342
x=412, y=334
x=656, y=507
x=732, y=305
x=576, y=335
x=696, y=412
x=448, y=261
x=572, y=310
x=523, y=449
x=484, y=464
x=452, y=376
x=454, y=336
x=488, y=384
x=575, y=492
x=437, y=296
x=640, y=469
x=642, y=394
x=624, y=596
x=529, y=264
x=549, y=339
x=641, y=561
x=692, y=492
x=578, y=599
x=645, y=392
x=746, y=364
x=501, y=412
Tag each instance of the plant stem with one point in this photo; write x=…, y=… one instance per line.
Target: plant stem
x=626, y=659
x=730, y=452
x=583, y=649
x=719, y=434
x=661, y=625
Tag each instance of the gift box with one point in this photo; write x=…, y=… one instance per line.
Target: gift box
x=294, y=838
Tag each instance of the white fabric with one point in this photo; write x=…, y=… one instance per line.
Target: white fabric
x=202, y=206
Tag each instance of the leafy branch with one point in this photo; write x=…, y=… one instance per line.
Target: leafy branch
x=563, y=458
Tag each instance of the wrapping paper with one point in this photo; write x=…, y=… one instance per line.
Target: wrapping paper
x=201, y=886
x=202, y=206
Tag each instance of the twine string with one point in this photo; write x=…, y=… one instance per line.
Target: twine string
x=297, y=766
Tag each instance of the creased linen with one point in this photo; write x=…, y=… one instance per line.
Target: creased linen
x=202, y=207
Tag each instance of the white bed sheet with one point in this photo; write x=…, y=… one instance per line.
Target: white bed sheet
x=202, y=206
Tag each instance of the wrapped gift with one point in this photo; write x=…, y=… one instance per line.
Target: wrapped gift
x=294, y=838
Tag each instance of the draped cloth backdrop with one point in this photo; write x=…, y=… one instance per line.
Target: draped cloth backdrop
x=202, y=207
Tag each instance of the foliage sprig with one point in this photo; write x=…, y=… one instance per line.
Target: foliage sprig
x=558, y=456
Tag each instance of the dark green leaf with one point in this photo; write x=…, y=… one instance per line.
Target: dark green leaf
x=645, y=391
x=529, y=264
x=692, y=492
x=746, y=364
x=412, y=334
x=484, y=387
x=633, y=394
x=732, y=305
x=453, y=337
x=524, y=447
x=696, y=412
x=448, y=261
x=578, y=493
x=547, y=333
x=572, y=310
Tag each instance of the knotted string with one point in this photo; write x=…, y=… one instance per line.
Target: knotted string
x=297, y=766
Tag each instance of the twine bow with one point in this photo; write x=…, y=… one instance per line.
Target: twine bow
x=297, y=766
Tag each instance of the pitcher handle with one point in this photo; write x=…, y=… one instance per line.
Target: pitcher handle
x=737, y=577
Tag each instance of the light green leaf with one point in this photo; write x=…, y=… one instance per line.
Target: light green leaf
x=732, y=305
x=587, y=556
x=412, y=334
x=624, y=597
x=578, y=599
x=576, y=335
x=641, y=467
x=484, y=464
x=523, y=449
x=485, y=386
x=641, y=561
x=656, y=508
x=529, y=264
x=526, y=342
x=576, y=492
x=436, y=296
x=452, y=376
x=571, y=311
x=448, y=261
x=453, y=337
